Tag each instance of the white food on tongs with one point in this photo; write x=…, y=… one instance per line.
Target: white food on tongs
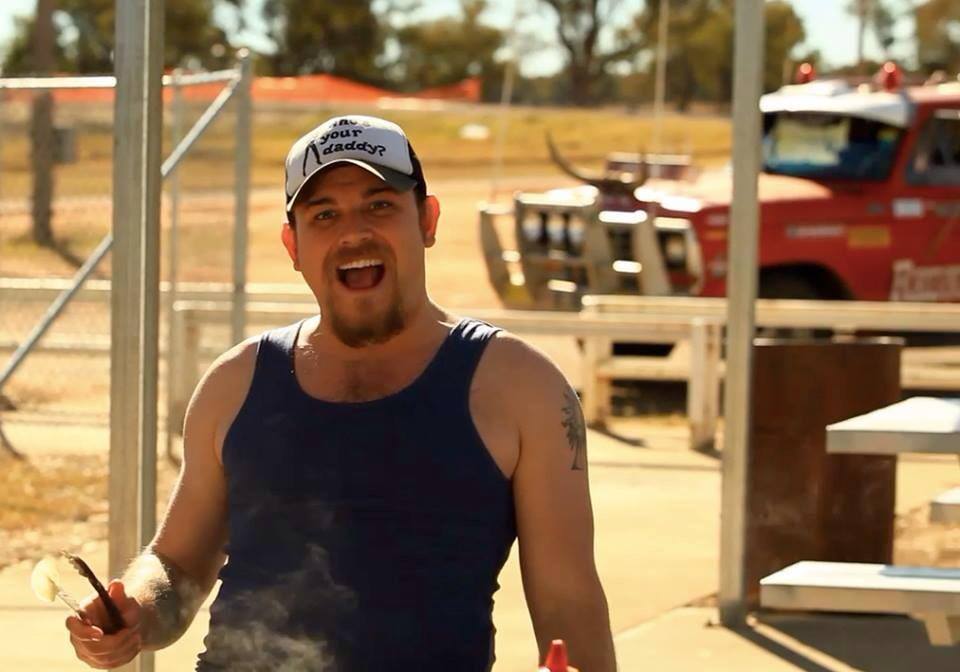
x=45, y=581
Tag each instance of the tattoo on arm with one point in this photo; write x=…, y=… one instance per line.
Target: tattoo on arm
x=576, y=429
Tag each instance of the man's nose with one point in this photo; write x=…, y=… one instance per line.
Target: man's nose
x=356, y=230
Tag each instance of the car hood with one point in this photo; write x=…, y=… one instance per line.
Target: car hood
x=715, y=188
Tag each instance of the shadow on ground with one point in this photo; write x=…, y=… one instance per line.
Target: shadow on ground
x=872, y=643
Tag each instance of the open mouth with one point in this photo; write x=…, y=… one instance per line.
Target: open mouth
x=362, y=274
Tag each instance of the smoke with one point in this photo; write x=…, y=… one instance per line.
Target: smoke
x=275, y=626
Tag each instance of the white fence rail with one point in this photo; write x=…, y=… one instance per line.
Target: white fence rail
x=605, y=320
x=599, y=365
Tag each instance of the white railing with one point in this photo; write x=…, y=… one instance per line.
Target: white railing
x=605, y=320
x=598, y=365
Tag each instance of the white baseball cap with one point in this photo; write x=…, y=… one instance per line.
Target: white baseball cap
x=377, y=145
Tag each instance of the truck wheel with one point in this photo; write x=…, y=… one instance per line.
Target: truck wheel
x=789, y=286
x=786, y=286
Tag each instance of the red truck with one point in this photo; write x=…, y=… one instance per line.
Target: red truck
x=859, y=199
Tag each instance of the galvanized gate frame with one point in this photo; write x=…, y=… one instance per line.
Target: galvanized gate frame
x=237, y=84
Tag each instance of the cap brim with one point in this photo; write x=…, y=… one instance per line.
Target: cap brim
x=394, y=178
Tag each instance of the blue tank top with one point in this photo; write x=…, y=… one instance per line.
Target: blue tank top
x=362, y=536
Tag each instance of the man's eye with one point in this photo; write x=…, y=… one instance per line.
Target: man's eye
x=381, y=205
x=325, y=215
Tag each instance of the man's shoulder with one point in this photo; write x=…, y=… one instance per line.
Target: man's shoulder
x=520, y=365
x=229, y=376
x=240, y=360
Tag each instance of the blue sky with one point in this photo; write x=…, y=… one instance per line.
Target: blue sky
x=829, y=28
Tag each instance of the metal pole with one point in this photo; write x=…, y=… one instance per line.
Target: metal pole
x=3, y=96
x=660, y=87
x=741, y=293
x=138, y=59
x=242, y=195
x=506, y=96
x=199, y=127
x=173, y=179
x=41, y=128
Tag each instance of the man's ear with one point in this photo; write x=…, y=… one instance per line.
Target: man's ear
x=288, y=235
x=429, y=216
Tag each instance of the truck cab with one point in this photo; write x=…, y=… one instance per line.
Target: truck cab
x=859, y=199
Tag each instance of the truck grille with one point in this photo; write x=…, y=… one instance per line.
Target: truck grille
x=621, y=243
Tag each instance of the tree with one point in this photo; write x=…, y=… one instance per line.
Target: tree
x=578, y=28
x=324, y=36
x=938, y=22
x=190, y=35
x=447, y=51
x=700, y=55
x=784, y=31
x=874, y=15
x=18, y=59
x=699, y=48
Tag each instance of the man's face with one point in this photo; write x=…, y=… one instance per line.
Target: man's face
x=360, y=247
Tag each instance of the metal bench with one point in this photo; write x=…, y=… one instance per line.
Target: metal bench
x=945, y=508
x=928, y=594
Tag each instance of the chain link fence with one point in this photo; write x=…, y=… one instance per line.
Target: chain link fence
x=67, y=375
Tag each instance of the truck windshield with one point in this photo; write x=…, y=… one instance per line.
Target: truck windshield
x=826, y=146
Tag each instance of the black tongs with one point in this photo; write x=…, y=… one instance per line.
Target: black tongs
x=115, y=620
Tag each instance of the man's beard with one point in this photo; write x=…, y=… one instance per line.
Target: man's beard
x=371, y=327
x=365, y=323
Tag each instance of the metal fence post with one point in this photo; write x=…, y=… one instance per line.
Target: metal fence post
x=135, y=284
x=173, y=179
x=3, y=95
x=741, y=293
x=242, y=191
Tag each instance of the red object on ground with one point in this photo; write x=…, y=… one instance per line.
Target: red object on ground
x=556, y=657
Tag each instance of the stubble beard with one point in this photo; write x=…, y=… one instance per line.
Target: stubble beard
x=373, y=326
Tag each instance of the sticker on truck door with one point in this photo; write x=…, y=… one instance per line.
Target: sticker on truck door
x=924, y=283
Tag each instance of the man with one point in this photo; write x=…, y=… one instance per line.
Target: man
x=365, y=472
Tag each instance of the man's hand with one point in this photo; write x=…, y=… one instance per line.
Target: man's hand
x=93, y=646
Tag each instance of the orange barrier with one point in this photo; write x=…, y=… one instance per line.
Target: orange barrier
x=303, y=89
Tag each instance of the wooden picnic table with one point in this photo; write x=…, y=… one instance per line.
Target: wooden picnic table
x=914, y=425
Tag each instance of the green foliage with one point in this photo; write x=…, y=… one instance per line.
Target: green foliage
x=700, y=47
x=938, y=24
x=19, y=60
x=875, y=15
x=784, y=31
x=85, y=30
x=447, y=51
x=324, y=36
x=579, y=24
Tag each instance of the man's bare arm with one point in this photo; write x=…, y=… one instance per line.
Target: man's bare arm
x=553, y=509
x=173, y=575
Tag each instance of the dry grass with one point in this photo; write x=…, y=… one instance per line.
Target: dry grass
x=83, y=217
x=584, y=135
x=58, y=500
x=50, y=489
